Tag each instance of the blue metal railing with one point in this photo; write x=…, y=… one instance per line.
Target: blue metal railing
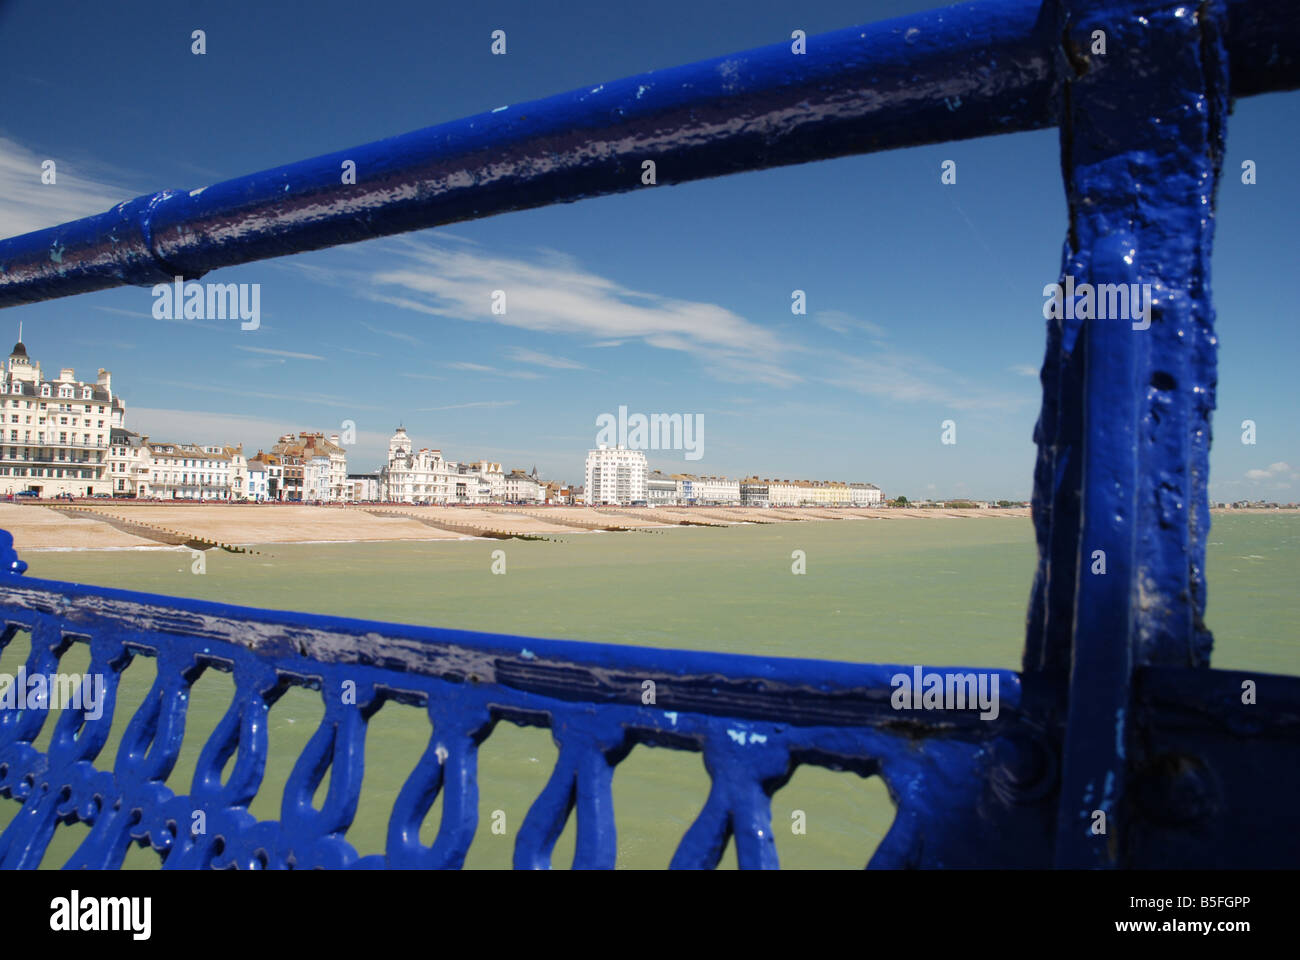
x=1116, y=711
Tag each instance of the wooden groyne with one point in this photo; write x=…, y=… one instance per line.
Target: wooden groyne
x=150, y=531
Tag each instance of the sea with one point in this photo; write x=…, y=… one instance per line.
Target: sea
x=906, y=591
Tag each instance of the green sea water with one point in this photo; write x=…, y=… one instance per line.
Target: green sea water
x=933, y=591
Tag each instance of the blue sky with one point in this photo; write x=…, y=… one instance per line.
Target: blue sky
x=924, y=300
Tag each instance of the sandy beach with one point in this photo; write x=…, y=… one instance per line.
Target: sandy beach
x=124, y=524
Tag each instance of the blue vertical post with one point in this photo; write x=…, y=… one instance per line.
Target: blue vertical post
x=1121, y=505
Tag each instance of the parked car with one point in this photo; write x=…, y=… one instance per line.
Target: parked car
x=27, y=493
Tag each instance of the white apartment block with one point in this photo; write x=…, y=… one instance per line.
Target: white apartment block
x=425, y=476
x=55, y=433
x=616, y=475
x=708, y=491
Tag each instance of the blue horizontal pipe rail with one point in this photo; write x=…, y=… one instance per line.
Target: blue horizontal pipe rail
x=966, y=71
x=947, y=74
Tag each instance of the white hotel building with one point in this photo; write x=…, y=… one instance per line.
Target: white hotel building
x=143, y=468
x=55, y=434
x=616, y=476
x=708, y=491
x=425, y=476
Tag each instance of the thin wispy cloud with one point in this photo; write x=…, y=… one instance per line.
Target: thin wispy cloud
x=288, y=354
x=114, y=344
x=316, y=399
x=548, y=292
x=539, y=359
x=395, y=334
x=466, y=406
x=493, y=371
x=845, y=323
x=1023, y=369
x=553, y=294
x=27, y=204
x=903, y=378
x=148, y=315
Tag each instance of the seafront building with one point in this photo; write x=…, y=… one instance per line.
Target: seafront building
x=426, y=476
x=56, y=433
x=257, y=481
x=270, y=465
x=186, y=471
x=315, y=467
x=615, y=476
x=756, y=492
x=662, y=491
x=144, y=468
x=523, y=487
x=129, y=463
x=707, y=491
x=865, y=495
x=559, y=494
x=364, y=486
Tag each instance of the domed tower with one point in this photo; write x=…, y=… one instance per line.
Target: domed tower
x=399, y=447
x=20, y=366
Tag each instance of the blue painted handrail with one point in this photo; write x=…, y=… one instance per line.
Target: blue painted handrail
x=753, y=719
x=1116, y=718
x=966, y=71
